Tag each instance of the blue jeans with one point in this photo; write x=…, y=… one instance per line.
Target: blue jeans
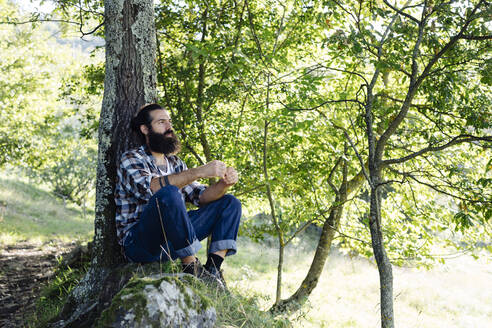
x=145, y=242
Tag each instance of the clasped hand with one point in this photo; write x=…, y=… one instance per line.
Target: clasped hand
x=219, y=169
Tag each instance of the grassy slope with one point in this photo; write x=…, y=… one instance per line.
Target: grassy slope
x=30, y=213
x=457, y=294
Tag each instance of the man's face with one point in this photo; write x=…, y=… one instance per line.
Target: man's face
x=160, y=136
x=161, y=121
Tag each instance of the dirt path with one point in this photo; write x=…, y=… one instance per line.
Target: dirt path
x=24, y=268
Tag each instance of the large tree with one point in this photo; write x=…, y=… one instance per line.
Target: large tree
x=130, y=81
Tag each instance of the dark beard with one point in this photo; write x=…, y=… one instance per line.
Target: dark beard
x=162, y=143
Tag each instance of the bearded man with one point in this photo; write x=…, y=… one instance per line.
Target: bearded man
x=152, y=187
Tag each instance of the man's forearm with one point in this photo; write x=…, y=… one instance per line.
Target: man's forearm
x=213, y=192
x=179, y=180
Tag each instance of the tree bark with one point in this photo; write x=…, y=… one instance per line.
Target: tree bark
x=130, y=82
x=383, y=263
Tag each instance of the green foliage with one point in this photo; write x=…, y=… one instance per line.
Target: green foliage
x=245, y=44
x=440, y=197
x=49, y=107
x=303, y=68
x=73, y=176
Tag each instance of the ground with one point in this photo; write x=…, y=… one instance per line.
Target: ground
x=24, y=268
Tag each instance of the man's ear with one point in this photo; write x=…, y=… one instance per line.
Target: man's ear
x=144, y=129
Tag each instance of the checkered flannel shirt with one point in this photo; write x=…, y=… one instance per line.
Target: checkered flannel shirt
x=136, y=170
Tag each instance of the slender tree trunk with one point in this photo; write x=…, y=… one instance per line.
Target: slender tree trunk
x=310, y=282
x=130, y=81
x=280, y=268
x=375, y=167
x=280, y=235
x=383, y=263
x=276, y=224
x=200, y=95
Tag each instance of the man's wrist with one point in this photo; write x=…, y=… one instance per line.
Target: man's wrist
x=223, y=184
x=198, y=172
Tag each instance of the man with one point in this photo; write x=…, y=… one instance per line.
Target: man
x=152, y=187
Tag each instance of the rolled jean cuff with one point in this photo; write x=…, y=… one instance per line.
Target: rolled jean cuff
x=189, y=250
x=229, y=244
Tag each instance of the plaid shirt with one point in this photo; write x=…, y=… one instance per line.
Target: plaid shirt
x=136, y=170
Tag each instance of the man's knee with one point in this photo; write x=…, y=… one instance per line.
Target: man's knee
x=232, y=201
x=169, y=195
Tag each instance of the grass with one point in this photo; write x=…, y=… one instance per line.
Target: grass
x=456, y=294
x=30, y=213
x=54, y=294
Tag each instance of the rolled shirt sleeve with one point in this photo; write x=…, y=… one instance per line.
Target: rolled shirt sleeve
x=193, y=190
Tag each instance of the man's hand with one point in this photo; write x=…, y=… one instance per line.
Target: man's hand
x=213, y=169
x=217, y=190
x=230, y=177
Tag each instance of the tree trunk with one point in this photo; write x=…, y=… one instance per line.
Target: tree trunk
x=383, y=263
x=130, y=82
x=202, y=67
x=310, y=282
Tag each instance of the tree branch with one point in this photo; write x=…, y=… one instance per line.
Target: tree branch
x=298, y=231
x=48, y=20
x=455, y=141
x=335, y=101
x=435, y=188
x=476, y=37
x=401, y=12
x=330, y=176
x=362, y=165
x=345, y=71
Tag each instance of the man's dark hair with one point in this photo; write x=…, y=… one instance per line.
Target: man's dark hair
x=143, y=118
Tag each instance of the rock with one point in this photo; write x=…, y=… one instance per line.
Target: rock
x=164, y=300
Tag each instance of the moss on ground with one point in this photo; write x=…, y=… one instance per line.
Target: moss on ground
x=132, y=296
x=233, y=309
